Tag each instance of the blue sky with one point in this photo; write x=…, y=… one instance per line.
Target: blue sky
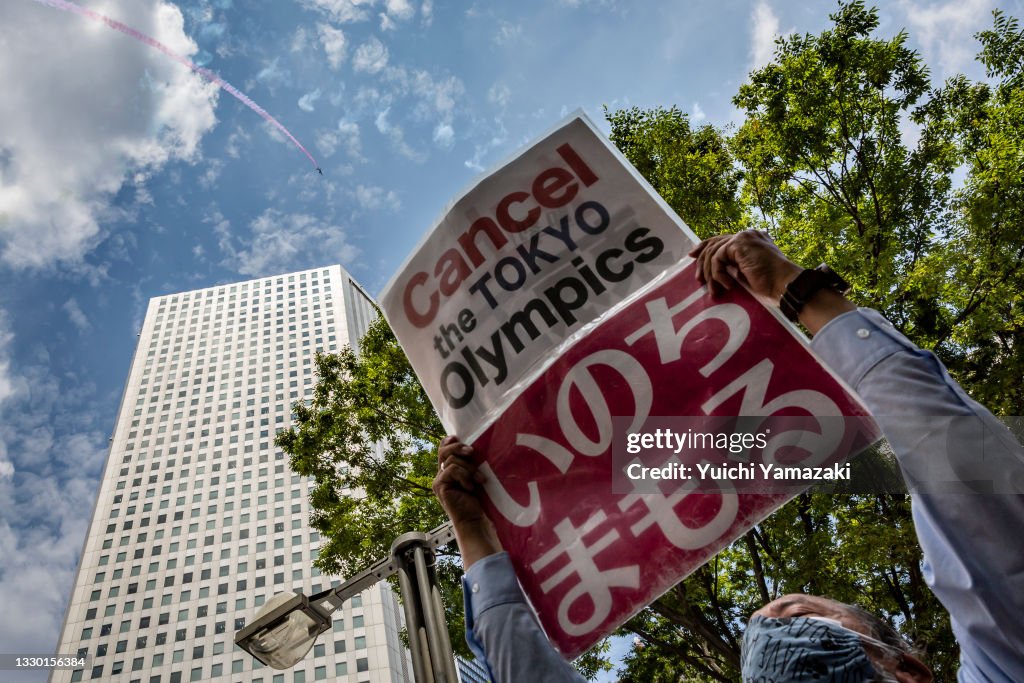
x=124, y=176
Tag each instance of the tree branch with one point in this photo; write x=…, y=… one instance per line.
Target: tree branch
x=758, y=569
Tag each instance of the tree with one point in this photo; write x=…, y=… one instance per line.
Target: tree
x=831, y=178
x=981, y=335
x=693, y=170
x=829, y=174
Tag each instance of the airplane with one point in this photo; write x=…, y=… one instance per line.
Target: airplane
x=319, y=170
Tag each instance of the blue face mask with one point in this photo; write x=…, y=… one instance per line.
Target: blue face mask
x=780, y=650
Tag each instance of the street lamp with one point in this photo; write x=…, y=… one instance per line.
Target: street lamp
x=284, y=630
x=286, y=627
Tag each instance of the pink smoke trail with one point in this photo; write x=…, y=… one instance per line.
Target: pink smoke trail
x=206, y=73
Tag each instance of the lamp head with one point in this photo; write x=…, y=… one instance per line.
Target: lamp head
x=283, y=631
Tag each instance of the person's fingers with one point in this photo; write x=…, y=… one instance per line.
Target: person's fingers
x=751, y=244
x=695, y=252
x=709, y=263
x=456, y=468
x=456, y=454
x=700, y=253
x=458, y=478
x=720, y=268
x=447, y=444
x=454, y=447
x=458, y=472
x=703, y=259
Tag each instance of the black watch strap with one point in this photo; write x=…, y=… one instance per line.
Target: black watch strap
x=808, y=283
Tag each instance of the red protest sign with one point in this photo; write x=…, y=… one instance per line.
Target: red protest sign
x=553, y=306
x=590, y=558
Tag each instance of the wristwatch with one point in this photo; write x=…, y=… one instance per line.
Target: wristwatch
x=808, y=283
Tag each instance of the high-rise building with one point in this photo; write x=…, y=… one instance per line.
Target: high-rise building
x=471, y=671
x=199, y=519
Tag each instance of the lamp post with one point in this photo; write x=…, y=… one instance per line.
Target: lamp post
x=286, y=627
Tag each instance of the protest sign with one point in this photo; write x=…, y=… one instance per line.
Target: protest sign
x=590, y=557
x=554, y=317
x=522, y=264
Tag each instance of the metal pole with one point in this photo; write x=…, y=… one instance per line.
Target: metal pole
x=437, y=653
x=437, y=605
x=413, y=620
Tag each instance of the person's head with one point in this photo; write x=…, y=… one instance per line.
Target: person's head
x=826, y=630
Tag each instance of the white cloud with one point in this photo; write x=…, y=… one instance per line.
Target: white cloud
x=7, y=383
x=334, y=42
x=343, y=11
x=764, y=29
x=65, y=147
x=51, y=452
x=444, y=135
x=507, y=32
x=427, y=12
x=75, y=315
x=372, y=197
x=498, y=138
x=327, y=143
x=946, y=31
x=499, y=94
x=143, y=195
x=273, y=75
x=307, y=101
x=399, y=9
x=369, y=97
x=397, y=136
x=236, y=140
x=698, y=112
x=349, y=135
x=43, y=522
x=278, y=242
x=299, y=40
x=439, y=94
x=371, y=56
x=437, y=97
x=221, y=228
x=211, y=174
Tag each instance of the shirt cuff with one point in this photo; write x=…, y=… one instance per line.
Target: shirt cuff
x=491, y=581
x=856, y=341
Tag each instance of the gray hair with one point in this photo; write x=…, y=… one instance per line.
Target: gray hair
x=882, y=630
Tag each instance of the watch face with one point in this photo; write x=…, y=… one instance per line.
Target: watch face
x=835, y=280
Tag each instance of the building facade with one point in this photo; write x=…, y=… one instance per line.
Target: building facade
x=471, y=671
x=199, y=519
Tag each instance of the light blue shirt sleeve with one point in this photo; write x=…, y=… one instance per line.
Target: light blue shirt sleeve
x=973, y=555
x=502, y=631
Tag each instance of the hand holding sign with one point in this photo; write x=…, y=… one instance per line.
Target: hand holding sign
x=751, y=258
x=756, y=260
x=457, y=486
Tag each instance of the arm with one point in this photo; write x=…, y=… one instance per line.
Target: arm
x=940, y=436
x=501, y=629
